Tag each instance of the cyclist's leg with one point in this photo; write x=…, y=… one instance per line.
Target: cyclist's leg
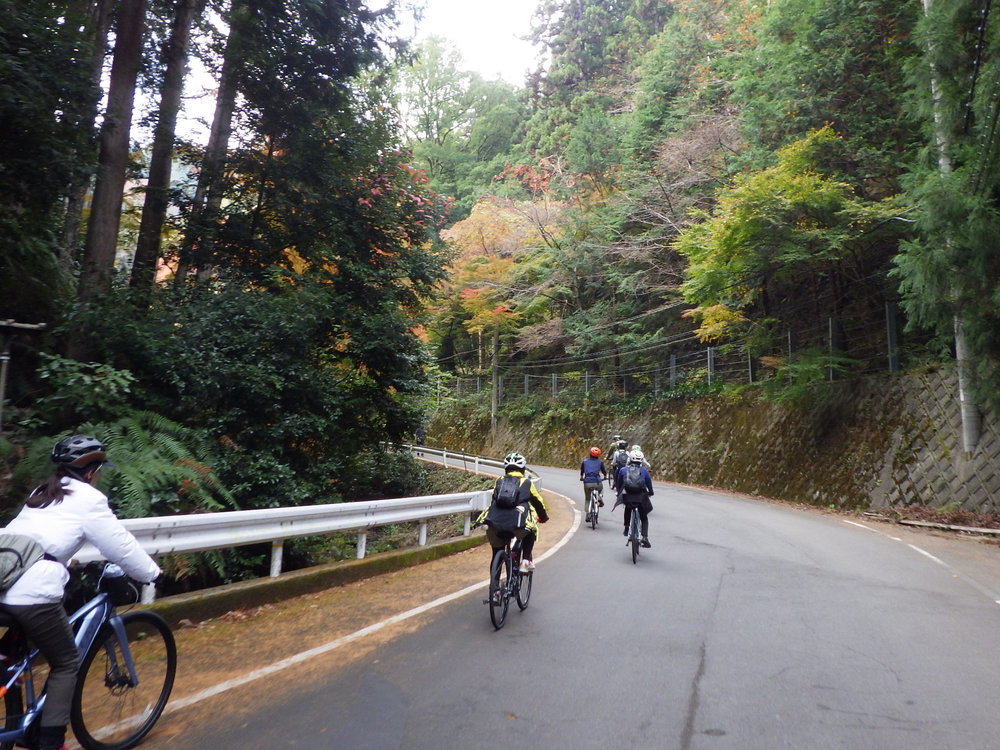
x=644, y=523
x=47, y=626
x=527, y=537
x=628, y=517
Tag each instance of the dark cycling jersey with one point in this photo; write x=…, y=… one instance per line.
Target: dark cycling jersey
x=592, y=470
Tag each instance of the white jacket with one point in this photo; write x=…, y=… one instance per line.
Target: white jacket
x=62, y=528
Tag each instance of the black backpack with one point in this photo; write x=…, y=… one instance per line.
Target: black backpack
x=508, y=490
x=633, y=480
x=620, y=459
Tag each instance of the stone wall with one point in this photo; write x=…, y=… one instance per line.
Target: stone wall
x=868, y=443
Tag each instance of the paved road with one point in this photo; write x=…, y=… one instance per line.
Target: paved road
x=747, y=626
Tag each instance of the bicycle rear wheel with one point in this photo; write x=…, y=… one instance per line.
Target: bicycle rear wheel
x=595, y=508
x=109, y=712
x=13, y=646
x=499, y=595
x=13, y=711
x=633, y=535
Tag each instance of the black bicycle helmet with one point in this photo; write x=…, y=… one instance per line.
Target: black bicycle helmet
x=79, y=452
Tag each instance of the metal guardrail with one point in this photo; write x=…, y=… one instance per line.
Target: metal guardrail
x=166, y=535
x=460, y=460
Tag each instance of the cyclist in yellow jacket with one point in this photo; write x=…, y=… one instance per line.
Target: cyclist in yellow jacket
x=516, y=509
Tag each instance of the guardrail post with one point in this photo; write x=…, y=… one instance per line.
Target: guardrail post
x=422, y=536
x=467, y=528
x=277, y=553
x=444, y=459
x=477, y=464
x=362, y=544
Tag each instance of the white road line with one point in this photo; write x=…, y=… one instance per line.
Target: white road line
x=277, y=666
x=955, y=572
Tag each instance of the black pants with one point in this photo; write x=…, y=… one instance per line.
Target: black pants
x=643, y=519
x=48, y=628
x=498, y=540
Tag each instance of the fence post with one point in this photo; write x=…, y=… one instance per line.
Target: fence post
x=525, y=385
x=834, y=344
x=673, y=371
x=422, y=534
x=362, y=544
x=586, y=383
x=555, y=385
x=791, y=348
x=467, y=528
x=458, y=388
x=479, y=383
x=750, y=373
x=277, y=553
x=710, y=357
x=892, y=336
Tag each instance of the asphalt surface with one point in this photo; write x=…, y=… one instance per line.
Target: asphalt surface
x=748, y=626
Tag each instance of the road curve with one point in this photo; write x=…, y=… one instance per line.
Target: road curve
x=748, y=625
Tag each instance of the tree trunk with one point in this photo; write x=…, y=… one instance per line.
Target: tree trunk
x=971, y=416
x=494, y=382
x=98, y=14
x=105, y=213
x=154, y=209
x=197, y=246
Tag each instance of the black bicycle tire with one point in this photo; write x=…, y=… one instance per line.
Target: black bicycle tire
x=633, y=535
x=524, y=590
x=140, y=622
x=499, y=596
x=594, y=508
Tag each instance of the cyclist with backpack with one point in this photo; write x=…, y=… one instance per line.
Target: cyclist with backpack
x=60, y=515
x=592, y=474
x=517, y=508
x=618, y=460
x=635, y=487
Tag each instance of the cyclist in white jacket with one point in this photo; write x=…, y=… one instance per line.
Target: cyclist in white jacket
x=61, y=514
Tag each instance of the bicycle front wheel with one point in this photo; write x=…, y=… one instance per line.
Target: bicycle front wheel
x=524, y=590
x=499, y=593
x=109, y=712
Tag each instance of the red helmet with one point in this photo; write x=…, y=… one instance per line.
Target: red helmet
x=595, y=451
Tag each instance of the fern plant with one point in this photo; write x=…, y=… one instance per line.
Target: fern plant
x=160, y=467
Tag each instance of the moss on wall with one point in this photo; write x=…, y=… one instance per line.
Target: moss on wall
x=866, y=443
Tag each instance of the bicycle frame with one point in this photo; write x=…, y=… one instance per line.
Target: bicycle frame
x=87, y=622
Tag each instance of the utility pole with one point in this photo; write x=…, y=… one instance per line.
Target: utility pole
x=10, y=329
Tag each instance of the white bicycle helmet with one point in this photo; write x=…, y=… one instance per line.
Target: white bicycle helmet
x=636, y=456
x=516, y=460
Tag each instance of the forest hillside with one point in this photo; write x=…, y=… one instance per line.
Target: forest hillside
x=686, y=199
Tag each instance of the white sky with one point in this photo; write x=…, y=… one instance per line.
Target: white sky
x=486, y=33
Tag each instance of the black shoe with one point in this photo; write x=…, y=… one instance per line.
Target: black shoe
x=645, y=542
x=625, y=533
x=600, y=503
